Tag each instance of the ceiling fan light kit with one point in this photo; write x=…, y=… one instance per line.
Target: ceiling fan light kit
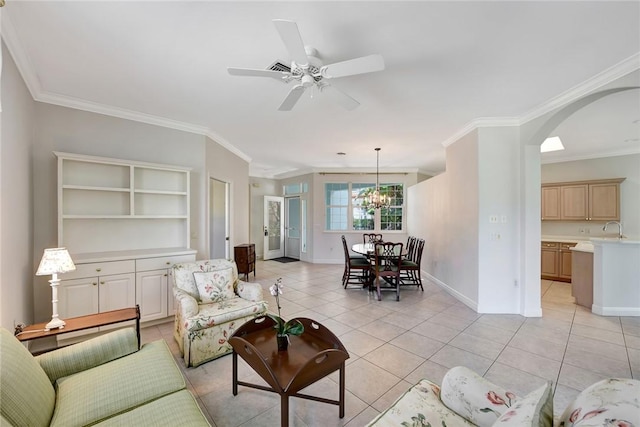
x=308, y=71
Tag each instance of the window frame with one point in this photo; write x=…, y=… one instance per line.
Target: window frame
x=350, y=208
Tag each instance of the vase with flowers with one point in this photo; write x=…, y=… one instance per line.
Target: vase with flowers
x=283, y=329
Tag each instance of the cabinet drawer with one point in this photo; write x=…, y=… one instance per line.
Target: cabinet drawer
x=94, y=269
x=553, y=245
x=147, y=264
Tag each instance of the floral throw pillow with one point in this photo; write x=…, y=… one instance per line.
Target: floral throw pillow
x=214, y=286
x=610, y=402
x=533, y=410
x=473, y=397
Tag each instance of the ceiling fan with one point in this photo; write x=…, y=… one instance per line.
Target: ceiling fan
x=308, y=71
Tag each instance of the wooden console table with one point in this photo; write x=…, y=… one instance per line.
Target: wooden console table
x=310, y=357
x=36, y=331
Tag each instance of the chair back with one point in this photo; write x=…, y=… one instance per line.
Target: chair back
x=345, y=248
x=388, y=258
x=417, y=252
x=371, y=238
x=183, y=274
x=411, y=246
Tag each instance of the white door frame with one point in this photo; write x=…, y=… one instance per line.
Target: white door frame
x=210, y=218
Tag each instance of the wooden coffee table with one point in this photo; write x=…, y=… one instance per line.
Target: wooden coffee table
x=310, y=357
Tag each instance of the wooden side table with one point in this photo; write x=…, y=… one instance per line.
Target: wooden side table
x=245, y=257
x=310, y=357
x=36, y=331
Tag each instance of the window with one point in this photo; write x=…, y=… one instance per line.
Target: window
x=363, y=218
x=297, y=188
x=337, y=204
x=391, y=217
x=344, y=198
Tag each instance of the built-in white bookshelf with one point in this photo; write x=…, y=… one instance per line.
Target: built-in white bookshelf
x=107, y=204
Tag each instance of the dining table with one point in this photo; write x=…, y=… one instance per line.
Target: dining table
x=367, y=249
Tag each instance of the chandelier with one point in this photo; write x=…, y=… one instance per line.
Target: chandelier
x=377, y=200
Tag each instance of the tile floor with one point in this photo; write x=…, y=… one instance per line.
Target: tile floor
x=394, y=344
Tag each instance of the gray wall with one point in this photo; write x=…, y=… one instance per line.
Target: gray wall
x=31, y=131
x=74, y=131
x=224, y=166
x=16, y=198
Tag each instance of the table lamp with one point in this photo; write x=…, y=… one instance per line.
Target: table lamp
x=55, y=261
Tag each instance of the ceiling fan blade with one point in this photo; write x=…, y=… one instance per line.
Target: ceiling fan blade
x=292, y=40
x=365, y=64
x=340, y=97
x=279, y=75
x=294, y=95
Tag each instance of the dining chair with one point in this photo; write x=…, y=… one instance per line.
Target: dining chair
x=387, y=264
x=371, y=238
x=411, y=247
x=352, y=265
x=410, y=268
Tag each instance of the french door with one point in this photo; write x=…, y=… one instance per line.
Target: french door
x=273, y=227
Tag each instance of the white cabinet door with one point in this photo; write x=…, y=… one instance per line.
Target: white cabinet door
x=78, y=297
x=151, y=294
x=117, y=291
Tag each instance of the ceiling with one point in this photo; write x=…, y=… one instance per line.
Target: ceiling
x=450, y=66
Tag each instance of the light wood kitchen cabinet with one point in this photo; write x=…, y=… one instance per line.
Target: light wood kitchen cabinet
x=582, y=201
x=550, y=202
x=564, y=261
x=549, y=260
x=555, y=260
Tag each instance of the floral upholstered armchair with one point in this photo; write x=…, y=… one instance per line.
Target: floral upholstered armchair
x=211, y=304
x=467, y=399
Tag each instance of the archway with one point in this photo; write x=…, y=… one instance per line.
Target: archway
x=530, y=196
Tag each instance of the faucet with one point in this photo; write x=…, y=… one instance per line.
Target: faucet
x=619, y=227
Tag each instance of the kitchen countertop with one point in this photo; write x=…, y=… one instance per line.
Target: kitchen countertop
x=564, y=239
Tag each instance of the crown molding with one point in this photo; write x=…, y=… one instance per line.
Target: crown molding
x=19, y=55
x=596, y=82
x=30, y=77
x=480, y=123
x=590, y=156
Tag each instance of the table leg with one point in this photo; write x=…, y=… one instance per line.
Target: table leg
x=235, y=373
x=284, y=410
x=342, y=382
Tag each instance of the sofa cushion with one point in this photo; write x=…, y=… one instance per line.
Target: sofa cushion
x=175, y=409
x=27, y=397
x=87, y=354
x=610, y=402
x=116, y=387
x=473, y=397
x=533, y=410
x=419, y=406
x=224, y=311
x=214, y=286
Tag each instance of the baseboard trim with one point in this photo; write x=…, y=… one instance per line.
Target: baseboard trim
x=615, y=311
x=457, y=295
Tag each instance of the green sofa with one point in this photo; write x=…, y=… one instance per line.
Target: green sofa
x=105, y=381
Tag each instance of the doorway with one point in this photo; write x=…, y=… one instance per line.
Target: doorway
x=292, y=227
x=273, y=227
x=218, y=219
